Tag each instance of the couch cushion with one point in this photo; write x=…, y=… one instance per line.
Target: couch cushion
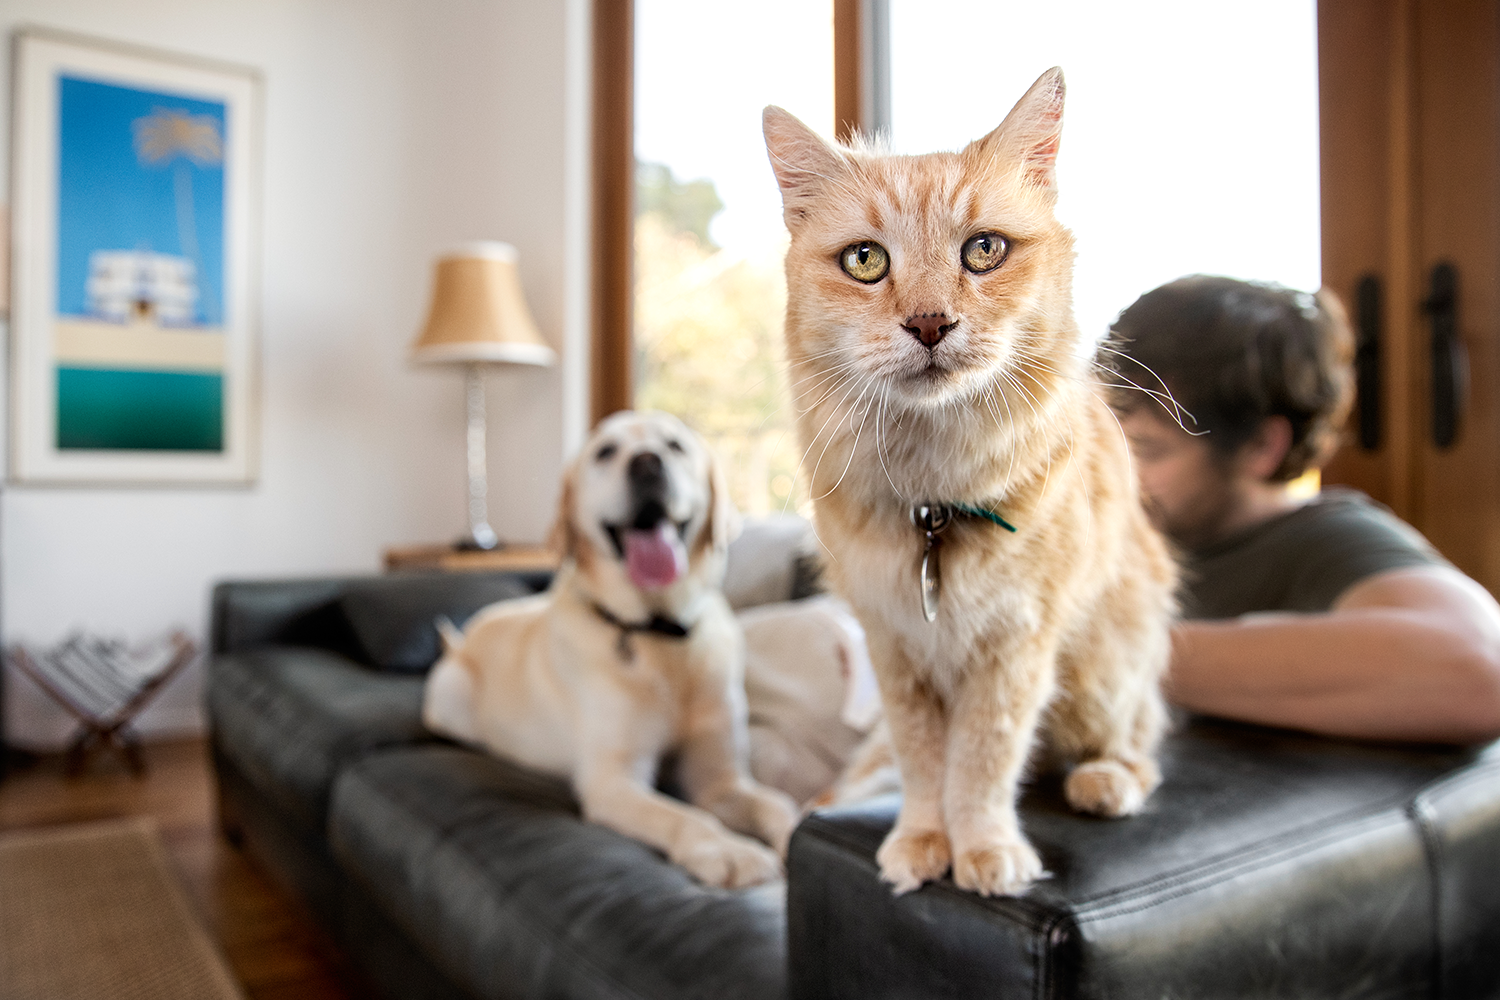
x=289, y=717
x=1268, y=863
x=510, y=893
x=393, y=616
x=765, y=561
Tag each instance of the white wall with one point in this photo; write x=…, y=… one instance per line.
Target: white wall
x=393, y=129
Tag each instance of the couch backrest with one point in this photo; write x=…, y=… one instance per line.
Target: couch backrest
x=386, y=622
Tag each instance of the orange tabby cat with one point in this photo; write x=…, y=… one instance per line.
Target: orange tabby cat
x=972, y=488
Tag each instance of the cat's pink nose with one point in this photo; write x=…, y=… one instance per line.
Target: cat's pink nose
x=929, y=328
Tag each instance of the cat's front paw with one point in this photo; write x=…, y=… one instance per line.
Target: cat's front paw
x=1110, y=787
x=910, y=857
x=1001, y=868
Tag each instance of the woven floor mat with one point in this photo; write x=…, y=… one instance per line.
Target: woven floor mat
x=93, y=911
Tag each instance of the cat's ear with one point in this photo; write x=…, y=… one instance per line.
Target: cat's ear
x=1032, y=131
x=801, y=160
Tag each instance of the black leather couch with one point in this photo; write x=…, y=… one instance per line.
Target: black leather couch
x=1269, y=864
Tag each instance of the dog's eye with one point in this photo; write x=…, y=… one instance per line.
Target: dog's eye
x=867, y=261
x=984, y=252
x=676, y=446
x=605, y=453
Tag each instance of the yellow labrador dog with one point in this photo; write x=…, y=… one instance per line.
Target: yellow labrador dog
x=632, y=655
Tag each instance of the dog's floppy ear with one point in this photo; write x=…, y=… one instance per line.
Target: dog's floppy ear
x=563, y=538
x=723, y=524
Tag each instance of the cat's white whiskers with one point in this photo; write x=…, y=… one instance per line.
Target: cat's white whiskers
x=1032, y=403
x=853, y=449
x=1072, y=458
x=833, y=384
x=839, y=374
x=812, y=478
x=838, y=380
x=1163, y=397
x=1124, y=438
x=790, y=398
x=1174, y=409
x=819, y=356
x=879, y=426
x=1008, y=428
x=821, y=375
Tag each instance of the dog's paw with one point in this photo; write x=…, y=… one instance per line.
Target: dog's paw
x=731, y=862
x=1110, y=787
x=1002, y=868
x=777, y=815
x=910, y=857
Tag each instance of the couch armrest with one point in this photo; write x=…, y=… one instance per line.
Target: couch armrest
x=1268, y=863
x=1460, y=820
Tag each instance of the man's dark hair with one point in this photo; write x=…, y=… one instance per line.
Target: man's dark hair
x=1233, y=353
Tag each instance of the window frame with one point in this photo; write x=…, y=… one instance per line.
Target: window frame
x=861, y=55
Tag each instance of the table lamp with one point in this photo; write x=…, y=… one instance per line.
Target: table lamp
x=478, y=318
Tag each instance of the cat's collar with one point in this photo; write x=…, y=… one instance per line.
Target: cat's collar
x=930, y=519
x=934, y=517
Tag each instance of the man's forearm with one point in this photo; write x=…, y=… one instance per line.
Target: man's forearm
x=1377, y=673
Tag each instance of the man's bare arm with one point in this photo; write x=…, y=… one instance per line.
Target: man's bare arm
x=1410, y=654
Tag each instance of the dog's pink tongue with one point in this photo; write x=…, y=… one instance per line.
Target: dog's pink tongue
x=655, y=558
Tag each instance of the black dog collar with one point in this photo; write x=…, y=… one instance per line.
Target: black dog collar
x=659, y=624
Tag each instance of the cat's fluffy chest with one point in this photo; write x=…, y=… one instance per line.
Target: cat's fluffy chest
x=986, y=594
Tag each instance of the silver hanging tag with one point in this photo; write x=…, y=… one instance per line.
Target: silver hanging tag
x=931, y=520
x=930, y=579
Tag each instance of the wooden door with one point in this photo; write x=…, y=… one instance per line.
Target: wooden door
x=1410, y=108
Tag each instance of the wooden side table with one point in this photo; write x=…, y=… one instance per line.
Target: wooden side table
x=450, y=559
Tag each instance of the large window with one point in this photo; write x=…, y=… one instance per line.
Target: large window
x=1190, y=145
x=709, y=292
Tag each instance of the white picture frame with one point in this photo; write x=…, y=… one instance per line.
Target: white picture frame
x=134, y=249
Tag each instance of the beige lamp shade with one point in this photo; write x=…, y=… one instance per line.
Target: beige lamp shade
x=478, y=313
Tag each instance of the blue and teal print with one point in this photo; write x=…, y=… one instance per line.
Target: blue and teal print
x=140, y=269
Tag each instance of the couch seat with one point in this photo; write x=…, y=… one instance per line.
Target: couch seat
x=492, y=871
x=290, y=718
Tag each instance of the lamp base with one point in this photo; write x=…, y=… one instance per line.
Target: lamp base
x=481, y=538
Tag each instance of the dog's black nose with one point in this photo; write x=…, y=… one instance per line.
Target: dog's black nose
x=645, y=469
x=648, y=490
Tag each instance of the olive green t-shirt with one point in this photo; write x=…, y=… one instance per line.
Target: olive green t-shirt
x=1301, y=560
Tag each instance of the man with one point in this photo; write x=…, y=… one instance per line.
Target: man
x=1324, y=613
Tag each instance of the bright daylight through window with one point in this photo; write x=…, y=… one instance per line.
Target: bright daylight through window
x=1190, y=134
x=1181, y=153
x=709, y=240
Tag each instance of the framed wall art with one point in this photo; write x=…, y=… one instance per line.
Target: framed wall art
x=134, y=197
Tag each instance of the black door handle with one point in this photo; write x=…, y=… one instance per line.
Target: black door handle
x=1367, y=360
x=1450, y=362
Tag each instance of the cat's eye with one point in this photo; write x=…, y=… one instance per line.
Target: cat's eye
x=867, y=262
x=984, y=252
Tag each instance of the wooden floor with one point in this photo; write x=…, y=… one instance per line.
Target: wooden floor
x=273, y=946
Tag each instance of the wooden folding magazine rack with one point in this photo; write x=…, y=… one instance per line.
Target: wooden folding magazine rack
x=104, y=685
